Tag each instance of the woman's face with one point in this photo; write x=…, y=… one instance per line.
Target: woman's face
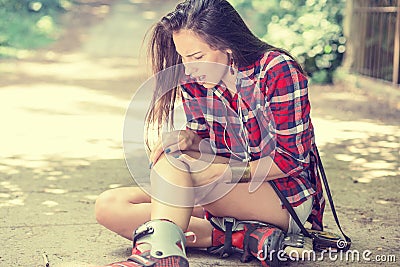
x=198, y=58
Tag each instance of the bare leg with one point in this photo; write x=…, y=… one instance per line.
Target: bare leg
x=122, y=210
x=261, y=205
x=172, y=192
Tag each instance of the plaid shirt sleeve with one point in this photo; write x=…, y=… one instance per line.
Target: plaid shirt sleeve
x=288, y=102
x=195, y=120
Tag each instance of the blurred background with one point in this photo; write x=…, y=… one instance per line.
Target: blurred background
x=319, y=33
x=68, y=72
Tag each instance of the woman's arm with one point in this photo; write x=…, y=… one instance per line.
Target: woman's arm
x=265, y=169
x=206, y=168
x=180, y=140
x=287, y=100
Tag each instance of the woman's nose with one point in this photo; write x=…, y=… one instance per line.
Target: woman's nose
x=189, y=68
x=187, y=71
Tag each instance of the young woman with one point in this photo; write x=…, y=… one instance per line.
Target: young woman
x=248, y=123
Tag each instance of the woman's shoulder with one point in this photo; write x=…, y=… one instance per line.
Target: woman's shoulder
x=276, y=57
x=279, y=61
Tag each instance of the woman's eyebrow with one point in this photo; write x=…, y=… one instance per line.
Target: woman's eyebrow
x=190, y=55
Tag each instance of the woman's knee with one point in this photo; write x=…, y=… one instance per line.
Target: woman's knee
x=111, y=203
x=104, y=206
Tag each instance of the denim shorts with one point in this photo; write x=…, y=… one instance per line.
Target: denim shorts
x=302, y=211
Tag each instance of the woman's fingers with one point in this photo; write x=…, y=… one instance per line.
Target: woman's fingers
x=195, y=165
x=156, y=153
x=176, y=147
x=205, y=172
x=169, y=143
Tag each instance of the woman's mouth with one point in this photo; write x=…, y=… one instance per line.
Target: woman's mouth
x=201, y=79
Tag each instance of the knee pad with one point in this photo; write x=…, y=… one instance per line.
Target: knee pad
x=165, y=238
x=165, y=242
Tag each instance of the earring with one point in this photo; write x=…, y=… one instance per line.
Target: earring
x=231, y=63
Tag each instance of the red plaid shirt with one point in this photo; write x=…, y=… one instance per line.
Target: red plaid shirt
x=268, y=116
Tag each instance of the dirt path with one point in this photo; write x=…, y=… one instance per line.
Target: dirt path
x=62, y=117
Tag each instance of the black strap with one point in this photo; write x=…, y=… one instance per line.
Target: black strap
x=328, y=193
x=247, y=256
x=227, y=249
x=290, y=210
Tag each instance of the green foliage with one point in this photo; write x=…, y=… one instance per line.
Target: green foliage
x=311, y=30
x=27, y=24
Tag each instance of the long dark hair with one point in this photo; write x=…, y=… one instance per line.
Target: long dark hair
x=219, y=25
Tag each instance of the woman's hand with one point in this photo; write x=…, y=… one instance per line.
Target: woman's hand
x=175, y=141
x=206, y=169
